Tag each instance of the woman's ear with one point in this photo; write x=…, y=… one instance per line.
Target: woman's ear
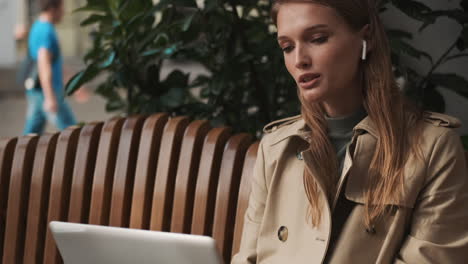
x=364, y=34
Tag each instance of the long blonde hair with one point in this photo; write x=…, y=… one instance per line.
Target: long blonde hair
x=386, y=107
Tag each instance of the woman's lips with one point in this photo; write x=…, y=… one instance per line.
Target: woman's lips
x=311, y=83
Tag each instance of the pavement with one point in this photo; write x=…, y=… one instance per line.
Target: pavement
x=13, y=111
x=13, y=105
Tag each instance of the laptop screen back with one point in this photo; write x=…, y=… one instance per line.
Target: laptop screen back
x=86, y=244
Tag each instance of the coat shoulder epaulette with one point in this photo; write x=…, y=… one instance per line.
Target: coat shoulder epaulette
x=441, y=120
x=273, y=126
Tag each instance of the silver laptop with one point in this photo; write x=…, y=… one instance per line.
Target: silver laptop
x=89, y=244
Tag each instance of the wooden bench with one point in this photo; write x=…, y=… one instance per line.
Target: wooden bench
x=149, y=172
x=155, y=172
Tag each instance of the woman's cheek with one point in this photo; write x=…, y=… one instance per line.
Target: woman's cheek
x=290, y=65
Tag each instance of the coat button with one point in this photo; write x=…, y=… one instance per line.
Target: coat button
x=283, y=234
x=299, y=155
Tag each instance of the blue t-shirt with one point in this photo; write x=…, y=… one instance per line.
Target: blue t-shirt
x=43, y=35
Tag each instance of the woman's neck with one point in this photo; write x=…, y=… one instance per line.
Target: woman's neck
x=344, y=106
x=347, y=101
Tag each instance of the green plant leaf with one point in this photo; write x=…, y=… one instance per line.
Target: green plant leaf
x=81, y=78
x=115, y=105
x=181, y=3
x=414, y=9
x=176, y=79
x=401, y=47
x=398, y=33
x=113, y=5
x=188, y=22
x=456, y=56
x=169, y=51
x=200, y=80
x=464, y=5
x=429, y=20
x=94, y=18
x=174, y=98
x=211, y=5
x=151, y=52
x=464, y=140
x=108, y=62
x=451, y=81
x=130, y=8
x=160, y=39
x=92, y=8
x=382, y=5
x=462, y=42
x=461, y=46
x=457, y=14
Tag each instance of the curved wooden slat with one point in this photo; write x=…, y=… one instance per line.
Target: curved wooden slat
x=18, y=199
x=7, y=151
x=186, y=178
x=244, y=193
x=85, y=162
x=38, y=198
x=226, y=195
x=466, y=156
x=148, y=153
x=60, y=187
x=207, y=181
x=124, y=174
x=101, y=189
x=166, y=172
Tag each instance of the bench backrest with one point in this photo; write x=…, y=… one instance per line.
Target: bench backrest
x=157, y=172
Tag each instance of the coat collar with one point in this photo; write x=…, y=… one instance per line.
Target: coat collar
x=366, y=125
x=281, y=131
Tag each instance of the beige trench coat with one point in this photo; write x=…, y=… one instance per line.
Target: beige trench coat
x=430, y=225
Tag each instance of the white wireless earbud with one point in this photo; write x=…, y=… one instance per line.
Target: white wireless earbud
x=364, y=50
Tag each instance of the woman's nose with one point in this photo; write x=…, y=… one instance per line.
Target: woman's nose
x=303, y=59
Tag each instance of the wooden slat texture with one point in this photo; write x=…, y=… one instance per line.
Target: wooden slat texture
x=207, y=180
x=39, y=198
x=104, y=172
x=18, y=199
x=148, y=154
x=156, y=173
x=7, y=151
x=122, y=187
x=244, y=193
x=161, y=209
x=186, y=179
x=226, y=195
x=466, y=156
x=60, y=187
x=85, y=162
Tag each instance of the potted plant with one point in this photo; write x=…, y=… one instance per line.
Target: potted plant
x=247, y=85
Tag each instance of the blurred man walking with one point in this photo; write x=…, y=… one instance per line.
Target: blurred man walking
x=47, y=102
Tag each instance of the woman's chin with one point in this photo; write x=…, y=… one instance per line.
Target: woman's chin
x=312, y=96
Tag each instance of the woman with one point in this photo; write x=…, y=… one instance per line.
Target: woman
x=359, y=176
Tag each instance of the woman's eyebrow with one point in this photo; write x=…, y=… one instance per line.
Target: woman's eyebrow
x=311, y=28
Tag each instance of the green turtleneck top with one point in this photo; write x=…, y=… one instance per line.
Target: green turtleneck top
x=340, y=132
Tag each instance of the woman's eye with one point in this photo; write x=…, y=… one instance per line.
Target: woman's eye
x=320, y=40
x=287, y=49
